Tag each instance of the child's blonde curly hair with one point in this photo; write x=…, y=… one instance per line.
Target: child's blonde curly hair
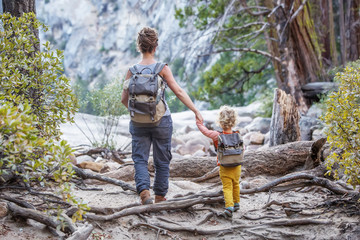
x=227, y=117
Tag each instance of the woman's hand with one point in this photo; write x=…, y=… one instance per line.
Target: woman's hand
x=198, y=116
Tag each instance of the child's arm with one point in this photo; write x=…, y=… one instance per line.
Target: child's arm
x=209, y=133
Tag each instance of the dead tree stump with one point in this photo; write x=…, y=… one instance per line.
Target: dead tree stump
x=284, y=126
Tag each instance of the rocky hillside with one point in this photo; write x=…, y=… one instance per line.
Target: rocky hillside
x=98, y=36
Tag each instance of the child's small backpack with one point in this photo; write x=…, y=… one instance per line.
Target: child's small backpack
x=146, y=96
x=230, y=149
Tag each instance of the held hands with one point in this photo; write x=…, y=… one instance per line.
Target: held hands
x=198, y=116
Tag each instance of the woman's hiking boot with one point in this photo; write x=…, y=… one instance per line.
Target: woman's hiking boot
x=228, y=212
x=159, y=198
x=236, y=207
x=145, y=197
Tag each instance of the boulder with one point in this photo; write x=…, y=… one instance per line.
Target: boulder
x=257, y=138
x=306, y=124
x=84, y=158
x=259, y=124
x=95, y=166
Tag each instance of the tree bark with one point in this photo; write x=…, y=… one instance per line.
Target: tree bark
x=323, y=16
x=297, y=46
x=18, y=7
x=352, y=30
x=284, y=126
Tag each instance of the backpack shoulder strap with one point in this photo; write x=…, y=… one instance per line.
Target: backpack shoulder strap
x=134, y=70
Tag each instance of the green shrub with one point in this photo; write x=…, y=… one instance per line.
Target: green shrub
x=34, y=77
x=34, y=99
x=106, y=102
x=343, y=125
x=31, y=159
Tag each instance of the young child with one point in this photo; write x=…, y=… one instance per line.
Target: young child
x=227, y=119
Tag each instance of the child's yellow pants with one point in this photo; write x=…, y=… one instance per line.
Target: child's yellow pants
x=230, y=177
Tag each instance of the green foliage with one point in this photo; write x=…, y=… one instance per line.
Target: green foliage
x=175, y=105
x=343, y=125
x=226, y=81
x=33, y=159
x=133, y=49
x=34, y=77
x=104, y=102
x=236, y=72
x=35, y=98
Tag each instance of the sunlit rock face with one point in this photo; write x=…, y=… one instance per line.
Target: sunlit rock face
x=98, y=36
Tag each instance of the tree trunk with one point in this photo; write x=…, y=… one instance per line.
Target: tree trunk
x=342, y=32
x=352, y=30
x=323, y=16
x=18, y=7
x=284, y=126
x=297, y=45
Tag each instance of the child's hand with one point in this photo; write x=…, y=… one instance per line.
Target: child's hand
x=199, y=117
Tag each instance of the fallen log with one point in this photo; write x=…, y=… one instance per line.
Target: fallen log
x=273, y=161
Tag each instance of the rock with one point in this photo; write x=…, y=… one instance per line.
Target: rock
x=317, y=134
x=73, y=159
x=259, y=124
x=244, y=121
x=243, y=131
x=267, y=138
x=185, y=130
x=306, y=124
x=314, y=111
x=253, y=136
x=91, y=165
x=244, y=185
x=3, y=209
x=190, y=148
x=199, y=153
x=176, y=142
x=84, y=158
x=257, y=138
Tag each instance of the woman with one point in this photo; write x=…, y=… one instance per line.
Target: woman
x=159, y=136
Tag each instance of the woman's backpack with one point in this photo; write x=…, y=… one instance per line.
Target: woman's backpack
x=146, y=96
x=230, y=149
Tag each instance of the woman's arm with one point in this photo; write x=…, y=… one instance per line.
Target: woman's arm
x=179, y=92
x=125, y=92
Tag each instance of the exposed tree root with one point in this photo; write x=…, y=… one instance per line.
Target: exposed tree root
x=213, y=173
x=86, y=175
x=222, y=231
x=26, y=213
x=168, y=205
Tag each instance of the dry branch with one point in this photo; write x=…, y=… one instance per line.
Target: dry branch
x=86, y=175
x=213, y=173
x=82, y=233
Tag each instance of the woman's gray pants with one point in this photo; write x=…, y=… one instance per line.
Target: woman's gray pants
x=160, y=137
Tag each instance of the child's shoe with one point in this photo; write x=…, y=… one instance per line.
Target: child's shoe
x=228, y=213
x=159, y=198
x=145, y=197
x=236, y=207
